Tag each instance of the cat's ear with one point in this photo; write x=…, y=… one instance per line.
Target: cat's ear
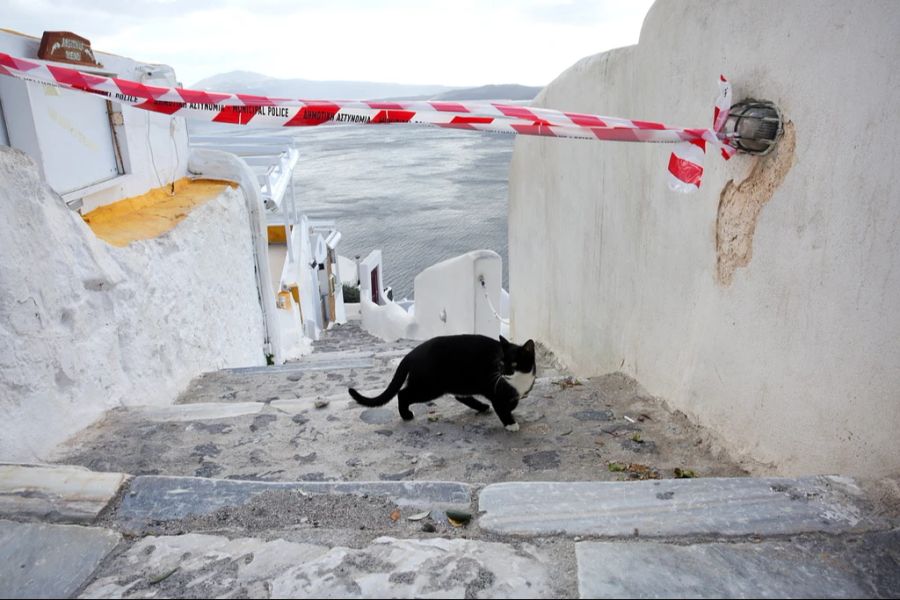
x=504, y=342
x=529, y=346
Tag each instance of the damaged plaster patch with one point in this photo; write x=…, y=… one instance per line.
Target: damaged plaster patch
x=740, y=205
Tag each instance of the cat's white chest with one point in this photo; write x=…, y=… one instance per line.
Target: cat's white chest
x=523, y=382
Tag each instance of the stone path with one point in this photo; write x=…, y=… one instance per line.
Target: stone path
x=677, y=507
x=38, y=560
x=296, y=422
x=816, y=568
x=271, y=482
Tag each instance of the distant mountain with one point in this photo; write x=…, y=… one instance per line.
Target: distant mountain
x=509, y=91
x=225, y=81
x=248, y=82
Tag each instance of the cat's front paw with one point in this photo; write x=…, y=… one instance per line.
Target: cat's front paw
x=513, y=427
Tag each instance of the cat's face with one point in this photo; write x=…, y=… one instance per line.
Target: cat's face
x=518, y=359
x=519, y=367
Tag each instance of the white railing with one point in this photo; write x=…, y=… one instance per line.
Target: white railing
x=273, y=159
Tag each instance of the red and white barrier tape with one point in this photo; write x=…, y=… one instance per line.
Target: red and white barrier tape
x=685, y=163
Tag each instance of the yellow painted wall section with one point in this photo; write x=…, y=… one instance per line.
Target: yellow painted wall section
x=277, y=234
x=152, y=214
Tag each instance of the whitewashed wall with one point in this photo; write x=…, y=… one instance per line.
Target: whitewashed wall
x=780, y=330
x=388, y=321
x=44, y=122
x=450, y=301
x=85, y=326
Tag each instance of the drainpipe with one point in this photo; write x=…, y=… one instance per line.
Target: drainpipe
x=216, y=164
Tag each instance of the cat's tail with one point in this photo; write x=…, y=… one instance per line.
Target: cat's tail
x=386, y=395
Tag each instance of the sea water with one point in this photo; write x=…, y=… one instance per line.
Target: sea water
x=420, y=194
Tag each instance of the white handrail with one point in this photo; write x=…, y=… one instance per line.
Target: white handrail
x=218, y=164
x=489, y=303
x=279, y=156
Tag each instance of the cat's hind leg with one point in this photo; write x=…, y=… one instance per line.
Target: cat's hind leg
x=474, y=404
x=413, y=394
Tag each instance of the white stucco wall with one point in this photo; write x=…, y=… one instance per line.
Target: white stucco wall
x=387, y=319
x=793, y=358
x=450, y=299
x=154, y=147
x=85, y=326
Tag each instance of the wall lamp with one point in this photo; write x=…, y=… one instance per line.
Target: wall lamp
x=754, y=126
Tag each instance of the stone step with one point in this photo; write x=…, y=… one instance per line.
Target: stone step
x=208, y=566
x=204, y=411
x=569, y=430
x=323, y=364
x=152, y=500
x=375, y=354
x=58, y=493
x=345, y=356
x=677, y=507
x=324, y=376
x=867, y=566
x=211, y=411
x=351, y=336
x=237, y=387
x=38, y=560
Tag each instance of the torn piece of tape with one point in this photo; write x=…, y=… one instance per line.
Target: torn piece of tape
x=270, y=112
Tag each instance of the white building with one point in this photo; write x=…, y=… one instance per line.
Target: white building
x=91, y=320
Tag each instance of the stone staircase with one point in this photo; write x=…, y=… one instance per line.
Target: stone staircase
x=272, y=482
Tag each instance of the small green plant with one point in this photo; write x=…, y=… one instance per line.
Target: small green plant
x=637, y=438
x=270, y=359
x=351, y=293
x=615, y=467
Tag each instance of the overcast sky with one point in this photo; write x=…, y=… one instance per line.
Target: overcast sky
x=460, y=43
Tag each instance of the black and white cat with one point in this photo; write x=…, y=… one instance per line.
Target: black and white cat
x=465, y=366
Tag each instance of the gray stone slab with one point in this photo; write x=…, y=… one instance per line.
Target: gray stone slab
x=60, y=493
x=207, y=566
x=298, y=404
x=332, y=356
x=153, y=498
x=432, y=568
x=197, y=412
x=812, y=568
x=392, y=354
x=202, y=566
x=302, y=367
x=378, y=416
x=38, y=560
x=676, y=507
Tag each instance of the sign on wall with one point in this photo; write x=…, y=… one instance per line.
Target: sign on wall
x=65, y=46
